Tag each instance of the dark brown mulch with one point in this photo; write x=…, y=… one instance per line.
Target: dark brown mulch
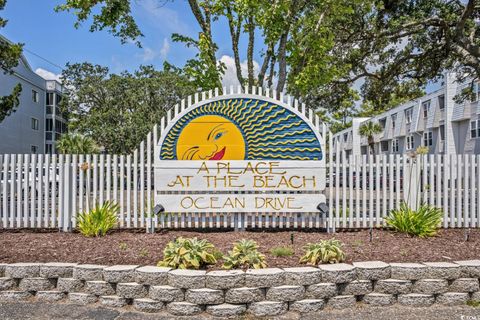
x=123, y=247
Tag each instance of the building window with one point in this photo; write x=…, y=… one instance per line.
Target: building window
x=442, y=132
x=345, y=137
x=382, y=123
x=34, y=96
x=58, y=99
x=474, y=129
x=428, y=139
x=394, y=119
x=34, y=124
x=49, y=125
x=48, y=148
x=49, y=97
x=395, y=145
x=426, y=108
x=34, y=149
x=410, y=142
x=384, y=145
x=441, y=102
x=408, y=115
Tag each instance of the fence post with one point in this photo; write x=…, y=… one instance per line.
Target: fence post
x=412, y=179
x=67, y=195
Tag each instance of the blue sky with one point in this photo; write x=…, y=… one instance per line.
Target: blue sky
x=52, y=35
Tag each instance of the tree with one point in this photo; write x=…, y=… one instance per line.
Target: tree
x=9, y=56
x=320, y=49
x=114, y=15
x=369, y=130
x=76, y=144
x=118, y=110
x=396, y=47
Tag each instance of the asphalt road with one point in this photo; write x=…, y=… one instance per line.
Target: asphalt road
x=45, y=311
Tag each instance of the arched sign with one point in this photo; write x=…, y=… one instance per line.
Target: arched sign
x=239, y=153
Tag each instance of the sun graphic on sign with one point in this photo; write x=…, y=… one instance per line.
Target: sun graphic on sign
x=210, y=137
x=240, y=129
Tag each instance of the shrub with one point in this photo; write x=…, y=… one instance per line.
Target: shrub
x=188, y=253
x=422, y=223
x=281, y=252
x=244, y=255
x=325, y=251
x=99, y=221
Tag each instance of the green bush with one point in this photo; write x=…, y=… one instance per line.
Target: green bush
x=244, y=255
x=188, y=253
x=325, y=251
x=282, y=252
x=422, y=223
x=99, y=221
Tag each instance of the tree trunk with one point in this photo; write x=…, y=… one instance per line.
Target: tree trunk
x=251, y=44
x=282, y=62
x=263, y=69
x=235, y=28
x=272, y=71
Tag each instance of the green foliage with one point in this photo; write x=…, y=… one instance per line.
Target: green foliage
x=122, y=108
x=421, y=223
x=473, y=303
x=99, y=220
x=113, y=15
x=282, y=252
x=369, y=129
x=244, y=255
x=8, y=104
x=10, y=54
x=188, y=253
x=76, y=144
x=325, y=251
x=143, y=253
x=203, y=71
x=393, y=47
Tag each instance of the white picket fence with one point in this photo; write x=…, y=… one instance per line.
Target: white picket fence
x=363, y=191
x=49, y=191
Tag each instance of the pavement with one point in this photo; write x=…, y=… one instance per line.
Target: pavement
x=64, y=311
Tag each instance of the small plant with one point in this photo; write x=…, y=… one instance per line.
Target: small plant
x=217, y=254
x=143, y=253
x=422, y=223
x=282, y=252
x=325, y=251
x=188, y=253
x=123, y=246
x=473, y=303
x=99, y=221
x=244, y=255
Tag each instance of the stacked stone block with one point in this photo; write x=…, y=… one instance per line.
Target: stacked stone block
x=233, y=293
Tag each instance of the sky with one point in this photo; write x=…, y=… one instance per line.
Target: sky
x=52, y=36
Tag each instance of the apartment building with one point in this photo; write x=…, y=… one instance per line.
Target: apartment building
x=55, y=120
x=434, y=120
x=37, y=123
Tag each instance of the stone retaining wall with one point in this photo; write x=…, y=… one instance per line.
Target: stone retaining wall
x=264, y=292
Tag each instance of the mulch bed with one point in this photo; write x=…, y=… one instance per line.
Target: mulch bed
x=124, y=247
